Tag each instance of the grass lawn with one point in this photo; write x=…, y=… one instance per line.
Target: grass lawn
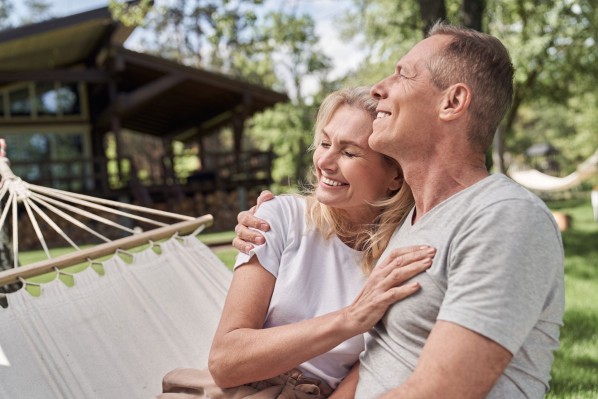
x=575, y=370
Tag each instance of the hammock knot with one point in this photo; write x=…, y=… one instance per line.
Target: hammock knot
x=18, y=187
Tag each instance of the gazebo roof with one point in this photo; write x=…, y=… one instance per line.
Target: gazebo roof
x=60, y=42
x=155, y=95
x=165, y=97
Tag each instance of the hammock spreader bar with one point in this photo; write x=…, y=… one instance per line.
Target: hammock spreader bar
x=80, y=256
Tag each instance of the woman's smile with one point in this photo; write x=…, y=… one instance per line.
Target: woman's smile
x=330, y=182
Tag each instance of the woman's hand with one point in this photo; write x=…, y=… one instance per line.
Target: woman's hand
x=386, y=285
x=245, y=237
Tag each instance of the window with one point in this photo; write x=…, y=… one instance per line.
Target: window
x=43, y=100
x=20, y=103
x=69, y=101
x=46, y=99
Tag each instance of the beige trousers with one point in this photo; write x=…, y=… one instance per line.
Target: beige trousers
x=199, y=384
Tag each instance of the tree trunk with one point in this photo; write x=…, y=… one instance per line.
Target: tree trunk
x=498, y=149
x=471, y=13
x=431, y=11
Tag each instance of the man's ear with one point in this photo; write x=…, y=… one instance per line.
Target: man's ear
x=455, y=102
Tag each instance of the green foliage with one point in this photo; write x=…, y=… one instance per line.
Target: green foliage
x=387, y=29
x=212, y=34
x=291, y=42
x=287, y=130
x=553, y=46
x=130, y=14
x=5, y=12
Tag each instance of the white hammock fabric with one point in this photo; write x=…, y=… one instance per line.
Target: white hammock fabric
x=536, y=180
x=114, y=336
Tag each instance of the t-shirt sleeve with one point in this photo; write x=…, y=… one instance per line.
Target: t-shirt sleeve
x=278, y=213
x=502, y=268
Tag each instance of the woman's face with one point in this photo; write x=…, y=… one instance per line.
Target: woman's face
x=350, y=174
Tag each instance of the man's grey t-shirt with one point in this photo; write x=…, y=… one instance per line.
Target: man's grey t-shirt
x=498, y=271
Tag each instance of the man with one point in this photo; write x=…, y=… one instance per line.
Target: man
x=486, y=320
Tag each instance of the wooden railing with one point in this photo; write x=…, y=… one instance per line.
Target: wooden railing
x=94, y=175
x=101, y=176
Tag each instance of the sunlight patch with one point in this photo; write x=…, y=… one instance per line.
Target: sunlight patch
x=3, y=359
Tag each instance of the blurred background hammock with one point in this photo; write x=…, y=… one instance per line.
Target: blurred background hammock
x=114, y=329
x=536, y=180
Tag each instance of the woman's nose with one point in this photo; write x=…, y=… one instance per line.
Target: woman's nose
x=327, y=160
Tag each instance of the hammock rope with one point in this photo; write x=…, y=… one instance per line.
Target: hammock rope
x=41, y=202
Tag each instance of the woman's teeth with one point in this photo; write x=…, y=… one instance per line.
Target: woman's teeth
x=331, y=182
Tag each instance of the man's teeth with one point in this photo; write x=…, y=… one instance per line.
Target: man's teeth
x=382, y=114
x=331, y=182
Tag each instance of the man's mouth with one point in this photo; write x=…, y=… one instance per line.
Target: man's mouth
x=331, y=182
x=382, y=114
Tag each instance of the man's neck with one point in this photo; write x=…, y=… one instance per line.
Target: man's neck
x=432, y=184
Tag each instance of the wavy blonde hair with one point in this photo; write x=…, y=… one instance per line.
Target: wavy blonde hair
x=330, y=221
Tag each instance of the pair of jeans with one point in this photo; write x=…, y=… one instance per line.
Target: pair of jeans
x=199, y=384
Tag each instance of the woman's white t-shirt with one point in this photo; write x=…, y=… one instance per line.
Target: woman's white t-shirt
x=314, y=276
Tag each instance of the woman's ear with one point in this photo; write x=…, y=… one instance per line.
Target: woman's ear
x=455, y=102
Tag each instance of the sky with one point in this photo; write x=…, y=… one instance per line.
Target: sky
x=344, y=55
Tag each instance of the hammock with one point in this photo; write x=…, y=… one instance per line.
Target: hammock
x=536, y=180
x=125, y=321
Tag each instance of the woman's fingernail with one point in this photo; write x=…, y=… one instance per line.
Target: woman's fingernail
x=260, y=240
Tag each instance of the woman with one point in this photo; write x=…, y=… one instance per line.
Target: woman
x=299, y=301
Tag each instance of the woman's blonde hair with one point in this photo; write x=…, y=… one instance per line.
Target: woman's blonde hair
x=329, y=221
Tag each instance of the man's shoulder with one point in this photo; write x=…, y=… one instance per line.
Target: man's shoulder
x=499, y=189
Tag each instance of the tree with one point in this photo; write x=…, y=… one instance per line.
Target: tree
x=38, y=10
x=5, y=12
x=290, y=40
x=553, y=45
x=209, y=34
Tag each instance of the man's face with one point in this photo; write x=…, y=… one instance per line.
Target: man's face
x=408, y=104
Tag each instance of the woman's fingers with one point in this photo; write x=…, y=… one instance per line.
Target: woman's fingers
x=406, y=255
x=389, y=283
x=404, y=272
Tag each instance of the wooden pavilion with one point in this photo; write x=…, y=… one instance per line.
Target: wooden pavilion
x=68, y=83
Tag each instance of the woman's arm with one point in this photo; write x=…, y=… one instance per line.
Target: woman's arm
x=243, y=352
x=346, y=389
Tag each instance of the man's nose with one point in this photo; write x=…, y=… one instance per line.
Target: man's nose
x=378, y=90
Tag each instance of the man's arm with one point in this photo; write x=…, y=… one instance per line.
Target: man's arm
x=455, y=363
